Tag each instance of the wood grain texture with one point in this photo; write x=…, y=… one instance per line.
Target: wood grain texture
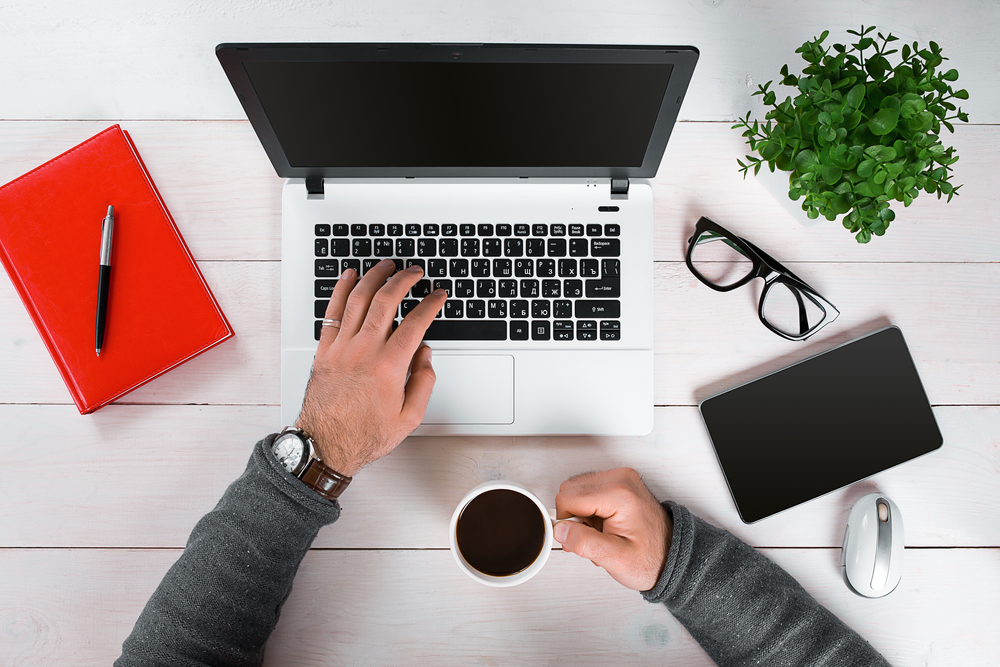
x=416, y=607
x=142, y=476
x=115, y=59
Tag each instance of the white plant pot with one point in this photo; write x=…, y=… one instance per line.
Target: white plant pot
x=777, y=184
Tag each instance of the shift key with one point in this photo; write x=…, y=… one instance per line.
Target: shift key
x=598, y=309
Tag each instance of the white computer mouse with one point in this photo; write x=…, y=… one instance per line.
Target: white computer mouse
x=872, y=558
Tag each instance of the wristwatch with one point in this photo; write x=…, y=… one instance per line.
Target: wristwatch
x=296, y=452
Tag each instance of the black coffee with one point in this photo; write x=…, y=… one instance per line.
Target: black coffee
x=500, y=532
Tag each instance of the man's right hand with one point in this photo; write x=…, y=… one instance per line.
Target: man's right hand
x=634, y=539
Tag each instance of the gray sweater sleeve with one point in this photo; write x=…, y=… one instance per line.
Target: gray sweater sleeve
x=220, y=601
x=745, y=610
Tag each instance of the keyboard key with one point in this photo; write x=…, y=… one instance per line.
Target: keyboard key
x=573, y=289
x=586, y=334
x=405, y=247
x=486, y=289
x=466, y=330
x=513, y=247
x=557, y=230
x=586, y=309
x=485, y=229
x=502, y=268
x=376, y=229
x=586, y=325
x=518, y=330
x=481, y=268
x=359, y=230
x=413, y=230
x=327, y=268
x=448, y=248
x=590, y=268
x=540, y=230
x=519, y=309
x=324, y=288
x=350, y=264
x=576, y=230
x=529, y=289
x=507, y=289
x=340, y=247
x=383, y=247
x=430, y=229
x=398, y=263
x=467, y=230
x=503, y=230
x=541, y=308
x=368, y=263
x=546, y=268
x=443, y=284
x=319, y=307
x=567, y=268
x=551, y=289
x=562, y=308
x=491, y=248
x=496, y=308
x=535, y=248
x=470, y=247
x=605, y=247
x=612, y=230
x=426, y=247
x=562, y=330
x=407, y=306
x=578, y=247
x=437, y=268
x=449, y=229
x=610, y=335
x=416, y=262
x=317, y=329
x=557, y=247
x=540, y=330
x=613, y=325
x=458, y=268
x=464, y=288
x=362, y=247
x=593, y=230
x=395, y=230
x=340, y=230
x=524, y=268
x=322, y=230
x=321, y=247
x=421, y=289
x=522, y=230
x=453, y=308
x=475, y=309
x=606, y=288
x=611, y=268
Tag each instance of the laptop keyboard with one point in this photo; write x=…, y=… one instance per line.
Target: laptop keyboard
x=515, y=282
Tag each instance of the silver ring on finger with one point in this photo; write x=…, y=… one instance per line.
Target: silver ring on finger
x=327, y=322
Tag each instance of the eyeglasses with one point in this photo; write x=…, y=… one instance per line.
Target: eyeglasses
x=788, y=306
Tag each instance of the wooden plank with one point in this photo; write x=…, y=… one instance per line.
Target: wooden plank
x=161, y=63
x=150, y=472
x=705, y=341
x=226, y=199
x=416, y=607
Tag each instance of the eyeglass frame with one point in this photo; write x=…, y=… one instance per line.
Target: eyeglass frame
x=771, y=271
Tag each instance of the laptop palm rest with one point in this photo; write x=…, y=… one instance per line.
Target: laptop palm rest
x=472, y=389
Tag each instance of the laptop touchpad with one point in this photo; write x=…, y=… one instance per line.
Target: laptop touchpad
x=472, y=389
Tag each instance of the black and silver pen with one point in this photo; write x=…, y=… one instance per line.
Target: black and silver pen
x=104, y=281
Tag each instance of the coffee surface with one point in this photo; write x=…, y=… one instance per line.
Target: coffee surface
x=500, y=532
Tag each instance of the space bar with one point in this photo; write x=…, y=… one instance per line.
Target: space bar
x=467, y=330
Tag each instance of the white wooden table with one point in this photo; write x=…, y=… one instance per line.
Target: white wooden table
x=93, y=510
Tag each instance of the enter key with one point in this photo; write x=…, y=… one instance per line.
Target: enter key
x=605, y=288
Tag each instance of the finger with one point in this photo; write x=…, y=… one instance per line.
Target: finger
x=586, y=542
x=411, y=330
x=361, y=296
x=418, y=388
x=599, y=494
x=335, y=309
x=385, y=303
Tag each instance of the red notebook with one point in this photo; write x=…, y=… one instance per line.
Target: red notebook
x=160, y=313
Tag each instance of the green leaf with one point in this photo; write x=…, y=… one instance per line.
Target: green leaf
x=864, y=236
x=827, y=133
x=769, y=150
x=962, y=94
x=911, y=108
x=950, y=75
x=831, y=174
x=865, y=168
x=890, y=102
x=879, y=177
x=842, y=203
x=806, y=160
x=855, y=96
x=881, y=153
x=883, y=122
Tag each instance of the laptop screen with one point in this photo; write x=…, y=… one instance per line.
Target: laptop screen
x=461, y=114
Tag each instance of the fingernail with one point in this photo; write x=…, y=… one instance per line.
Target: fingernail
x=429, y=353
x=439, y=292
x=415, y=268
x=386, y=262
x=561, y=531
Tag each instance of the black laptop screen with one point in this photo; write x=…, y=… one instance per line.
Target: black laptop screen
x=466, y=114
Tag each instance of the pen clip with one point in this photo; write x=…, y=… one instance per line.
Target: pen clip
x=107, y=230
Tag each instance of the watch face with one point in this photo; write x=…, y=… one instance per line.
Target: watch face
x=289, y=451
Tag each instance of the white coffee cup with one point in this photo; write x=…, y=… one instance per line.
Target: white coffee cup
x=548, y=542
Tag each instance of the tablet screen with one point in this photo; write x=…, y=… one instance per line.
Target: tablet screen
x=821, y=424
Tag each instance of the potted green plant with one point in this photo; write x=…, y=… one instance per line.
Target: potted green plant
x=860, y=133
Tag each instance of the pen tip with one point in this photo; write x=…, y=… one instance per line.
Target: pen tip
x=98, y=351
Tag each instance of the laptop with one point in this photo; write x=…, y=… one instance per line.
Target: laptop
x=514, y=174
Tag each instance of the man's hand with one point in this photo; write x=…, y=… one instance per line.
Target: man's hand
x=634, y=539
x=359, y=404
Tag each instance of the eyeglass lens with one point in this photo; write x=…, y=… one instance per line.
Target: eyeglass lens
x=791, y=310
x=718, y=260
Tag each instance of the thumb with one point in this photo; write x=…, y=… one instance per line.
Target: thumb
x=584, y=541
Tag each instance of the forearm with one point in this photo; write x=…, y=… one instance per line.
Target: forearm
x=745, y=610
x=220, y=601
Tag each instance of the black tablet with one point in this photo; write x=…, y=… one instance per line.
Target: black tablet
x=820, y=424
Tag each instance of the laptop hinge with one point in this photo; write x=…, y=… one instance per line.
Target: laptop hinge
x=314, y=187
x=619, y=188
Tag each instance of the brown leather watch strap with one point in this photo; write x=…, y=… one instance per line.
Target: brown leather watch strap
x=327, y=482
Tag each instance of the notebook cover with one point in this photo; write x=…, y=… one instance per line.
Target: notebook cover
x=161, y=312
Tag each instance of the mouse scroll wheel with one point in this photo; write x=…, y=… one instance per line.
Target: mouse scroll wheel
x=883, y=512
